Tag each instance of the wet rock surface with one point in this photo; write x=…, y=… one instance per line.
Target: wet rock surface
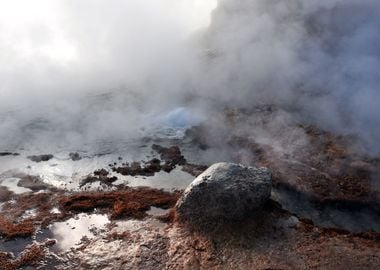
x=170, y=158
x=268, y=238
x=225, y=191
x=40, y=158
x=172, y=154
x=3, y=154
x=148, y=169
x=194, y=169
x=324, y=177
x=5, y=194
x=32, y=182
x=101, y=176
x=75, y=156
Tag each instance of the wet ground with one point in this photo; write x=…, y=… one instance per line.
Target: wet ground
x=87, y=210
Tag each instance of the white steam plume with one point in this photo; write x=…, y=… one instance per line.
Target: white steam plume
x=318, y=60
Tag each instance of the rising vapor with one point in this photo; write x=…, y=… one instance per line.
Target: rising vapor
x=78, y=72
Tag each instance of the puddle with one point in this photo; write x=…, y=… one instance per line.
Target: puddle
x=64, y=173
x=11, y=184
x=134, y=225
x=155, y=211
x=28, y=214
x=15, y=246
x=55, y=210
x=69, y=233
x=176, y=179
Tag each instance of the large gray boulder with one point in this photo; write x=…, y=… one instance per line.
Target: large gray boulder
x=225, y=191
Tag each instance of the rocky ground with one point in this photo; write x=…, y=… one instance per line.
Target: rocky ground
x=311, y=222
x=272, y=238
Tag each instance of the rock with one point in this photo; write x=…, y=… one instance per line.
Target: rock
x=194, y=169
x=225, y=191
x=135, y=168
x=171, y=154
x=32, y=182
x=40, y=158
x=75, y=156
x=3, y=154
x=101, y=172
x=99, y=175
x=5, y=194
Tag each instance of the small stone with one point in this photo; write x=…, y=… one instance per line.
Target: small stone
x=40, y=158
x=75, y=156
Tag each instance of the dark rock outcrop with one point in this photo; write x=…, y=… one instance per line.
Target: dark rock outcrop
x=40, y=158
x=75, y=156
x=225, y=191
x=170, y=155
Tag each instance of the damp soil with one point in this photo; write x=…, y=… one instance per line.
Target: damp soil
x=59, y=214
x=272, y=238
x=323, y=213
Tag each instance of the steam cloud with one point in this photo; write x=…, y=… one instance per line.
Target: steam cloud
x=123, y=62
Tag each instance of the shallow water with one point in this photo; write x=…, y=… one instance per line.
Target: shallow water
x=12, y=185
x=155, y=211
x=70, y=232
x=64, y=173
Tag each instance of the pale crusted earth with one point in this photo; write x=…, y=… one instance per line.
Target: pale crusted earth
x=272, y=239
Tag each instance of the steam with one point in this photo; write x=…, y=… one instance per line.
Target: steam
x=318, y=60
x=74, y=72
x=77, y=72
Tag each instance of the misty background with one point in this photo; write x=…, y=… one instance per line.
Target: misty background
x=84, y=72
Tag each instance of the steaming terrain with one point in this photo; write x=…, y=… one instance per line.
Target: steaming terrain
x=110, y=109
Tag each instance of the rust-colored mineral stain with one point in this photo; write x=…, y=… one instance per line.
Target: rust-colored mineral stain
x=325, y=169
x=126, y=203
x=10, y=230
x=31, y=256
